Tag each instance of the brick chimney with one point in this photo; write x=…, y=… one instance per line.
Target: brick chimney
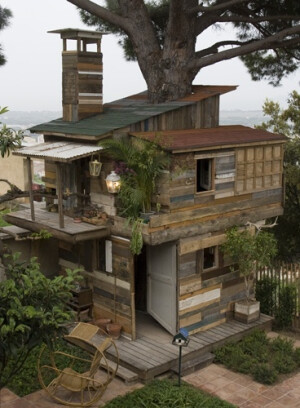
x=82, y=74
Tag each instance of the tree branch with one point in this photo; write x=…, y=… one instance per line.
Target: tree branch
x=102, y=13
x=274, y=41
x=215, y=48
x=244, y=19
x=218, y=7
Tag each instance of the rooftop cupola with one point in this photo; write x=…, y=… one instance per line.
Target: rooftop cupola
x=81, y=73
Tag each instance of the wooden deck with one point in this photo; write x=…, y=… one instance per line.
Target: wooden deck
x=72, y=232
x=150, y=358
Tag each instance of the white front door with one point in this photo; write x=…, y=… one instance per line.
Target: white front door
x=161, y=284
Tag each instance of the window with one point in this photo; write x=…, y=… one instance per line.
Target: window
x=105, y=255
x=204, y=175
x=208, y=259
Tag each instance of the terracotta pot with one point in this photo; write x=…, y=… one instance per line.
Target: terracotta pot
x=102, y=323
x=114, y=330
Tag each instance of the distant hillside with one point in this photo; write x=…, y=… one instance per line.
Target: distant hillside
x=27, y=119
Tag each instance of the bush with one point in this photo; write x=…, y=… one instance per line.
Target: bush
x=260, y=357
x=284, y=363
x=287, y=307
x=265, y=292
x=166, y=394
x=264, y=373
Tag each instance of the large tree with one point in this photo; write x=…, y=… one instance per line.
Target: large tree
x=162, y=34
x=5, y=15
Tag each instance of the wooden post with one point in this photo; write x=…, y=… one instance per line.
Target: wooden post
x=59, y=187
x=30, y=188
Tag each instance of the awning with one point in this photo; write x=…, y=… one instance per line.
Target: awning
x=58, y=151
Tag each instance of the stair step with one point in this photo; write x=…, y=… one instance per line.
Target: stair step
x=129, y=377
x=190, y=366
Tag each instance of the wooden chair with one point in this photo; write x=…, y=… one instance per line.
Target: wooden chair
x=70, y=387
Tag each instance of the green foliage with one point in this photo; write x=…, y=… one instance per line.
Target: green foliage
x=265, y=293
x=264, y=373
x=287, y=121
x=9, y=138
x=260, y=357
x=249, y=251
x=26, y=380
x=139, y=164
x=286, y=307
x=2, y=222
x=42, y=234
x=136, y=242
x=5, y=15
x=33, y=310
x=166, y=394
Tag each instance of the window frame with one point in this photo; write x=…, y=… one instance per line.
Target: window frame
x=211, y=160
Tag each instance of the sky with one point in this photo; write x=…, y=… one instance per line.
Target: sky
x=31, y=78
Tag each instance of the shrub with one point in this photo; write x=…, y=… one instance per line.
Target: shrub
x=166, y=394
x=297, y=356
x=265, y=292
x=284, y=363
x=265, y=373
x=282, y=344
x=287, y=307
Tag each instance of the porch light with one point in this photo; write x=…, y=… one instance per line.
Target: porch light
x=95, y=167
x=181, y=340
x=113, y=183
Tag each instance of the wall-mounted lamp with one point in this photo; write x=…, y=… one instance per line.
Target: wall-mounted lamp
x=113, y=183
x=95, y=167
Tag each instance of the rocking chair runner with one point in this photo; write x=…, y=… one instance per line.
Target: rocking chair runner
x=87, y=386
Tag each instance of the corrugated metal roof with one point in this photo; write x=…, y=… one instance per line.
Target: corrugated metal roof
x=58, y=151
x=197, y=139
x=126, y=111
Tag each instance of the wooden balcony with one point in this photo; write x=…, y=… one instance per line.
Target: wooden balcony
x=72, y=232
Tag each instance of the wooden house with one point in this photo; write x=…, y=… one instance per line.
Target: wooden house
x=219, y=176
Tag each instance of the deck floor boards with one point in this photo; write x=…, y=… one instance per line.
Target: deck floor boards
x=149, y=358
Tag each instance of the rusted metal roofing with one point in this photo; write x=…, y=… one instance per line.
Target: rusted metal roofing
x=219, y=137
x=58, y=151
x=124, y=112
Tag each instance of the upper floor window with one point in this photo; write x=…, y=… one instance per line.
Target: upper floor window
x=204, y=175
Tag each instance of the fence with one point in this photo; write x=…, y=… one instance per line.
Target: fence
x=283, y=275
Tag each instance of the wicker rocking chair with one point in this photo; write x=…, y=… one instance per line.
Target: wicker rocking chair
x=70, y=387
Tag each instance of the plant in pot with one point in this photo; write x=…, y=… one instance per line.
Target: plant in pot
x=248, y=251
x=139, y=163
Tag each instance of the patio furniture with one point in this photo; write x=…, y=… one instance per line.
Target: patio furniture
x=69, y=386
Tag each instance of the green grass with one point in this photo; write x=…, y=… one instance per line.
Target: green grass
x=26, y=381
x=167, y=394
x=262, y=358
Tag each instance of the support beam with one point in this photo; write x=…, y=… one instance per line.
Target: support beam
x=59, y=187
x=29, y=172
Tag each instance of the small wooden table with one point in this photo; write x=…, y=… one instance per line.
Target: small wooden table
x=82, y=300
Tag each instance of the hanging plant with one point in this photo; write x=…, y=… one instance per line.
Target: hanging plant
x=136, y=243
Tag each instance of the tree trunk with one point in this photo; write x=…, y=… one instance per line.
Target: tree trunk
x=166, y=71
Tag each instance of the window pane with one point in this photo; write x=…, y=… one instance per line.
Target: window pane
x=204, y=179
x=209, y=258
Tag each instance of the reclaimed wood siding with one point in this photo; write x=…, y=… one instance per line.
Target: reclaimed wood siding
x=203, y=114
x=113, y=292
x=206, y=298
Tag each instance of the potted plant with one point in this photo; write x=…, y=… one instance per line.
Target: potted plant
x=248, y=251
x=139, y=163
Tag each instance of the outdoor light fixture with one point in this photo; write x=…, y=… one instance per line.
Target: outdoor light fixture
x=95, y=167
x=181, y=340
x=113, y=183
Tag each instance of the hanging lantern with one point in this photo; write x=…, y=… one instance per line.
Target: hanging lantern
x=113, y=183
x=95, y=167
